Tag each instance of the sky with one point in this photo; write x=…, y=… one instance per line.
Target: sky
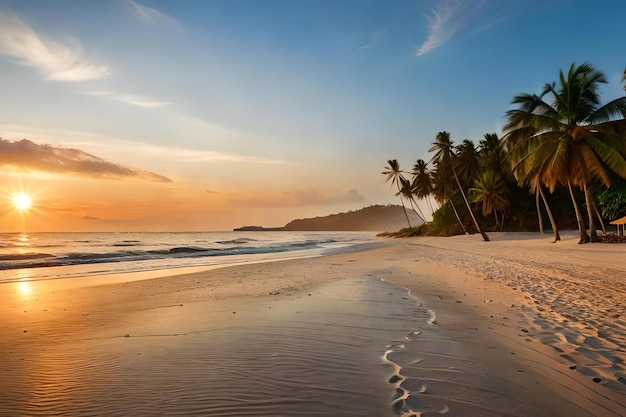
x=199, y=115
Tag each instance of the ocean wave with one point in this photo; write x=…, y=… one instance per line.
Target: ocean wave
x=144, y=251
x=42, y=260
x=185, y=249
x=237, y=241
x=24, y=256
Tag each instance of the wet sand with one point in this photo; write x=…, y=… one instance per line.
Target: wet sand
x=420, y=327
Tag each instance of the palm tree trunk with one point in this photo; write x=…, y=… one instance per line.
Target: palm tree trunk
x=555, y=229
x=584, y=238
x=417, y=210
x=593, y=232
x=595, y=208
x=456, y=213
x=539, y=217
x=405, y=214
x=483, y=234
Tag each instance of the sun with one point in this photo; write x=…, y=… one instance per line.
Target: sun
x=21, y=201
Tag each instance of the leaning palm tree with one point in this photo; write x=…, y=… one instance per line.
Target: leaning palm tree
x=422, y=182
x=394, y=174
x=537, y=189
x=571, y=141
x=444, y=156
x=406, y=191
x=442, y=190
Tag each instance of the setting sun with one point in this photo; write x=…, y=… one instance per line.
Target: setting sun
x=21, y=201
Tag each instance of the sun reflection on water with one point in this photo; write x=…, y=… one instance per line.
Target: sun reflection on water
x=21, y=243
x=23, y=283
x=24, y=288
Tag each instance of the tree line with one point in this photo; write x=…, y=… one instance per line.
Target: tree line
x=560, y=145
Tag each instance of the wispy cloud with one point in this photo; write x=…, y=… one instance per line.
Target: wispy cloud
x=59, y=61
x=151, y=17
x=198, y=156
x=133, y=100
x=30, y=156
x=375, y=38
x=447, y=19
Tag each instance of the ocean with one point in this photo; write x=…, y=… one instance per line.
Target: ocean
x=43, y=256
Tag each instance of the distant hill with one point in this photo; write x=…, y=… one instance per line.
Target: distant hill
x=373, y=218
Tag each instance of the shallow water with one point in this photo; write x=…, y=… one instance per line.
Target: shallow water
x=282, y=355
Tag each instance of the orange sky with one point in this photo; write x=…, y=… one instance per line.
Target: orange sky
x=72, y=190
x=62, y=204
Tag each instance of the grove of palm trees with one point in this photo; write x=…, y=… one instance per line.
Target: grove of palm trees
x=559, y=163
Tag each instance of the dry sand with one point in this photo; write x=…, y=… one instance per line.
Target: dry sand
x=521, y=327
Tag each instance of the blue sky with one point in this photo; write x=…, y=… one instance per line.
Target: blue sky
x=262, y=111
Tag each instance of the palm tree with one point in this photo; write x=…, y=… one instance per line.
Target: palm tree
x=394, y=174
x=491, y=192
x=422, y=182
x=442, y=188
x=571, y=141
x=493, y=156
x=555, y=229
x=406, y=191
x=444, y=156
x=466, y=163
x=537, y=189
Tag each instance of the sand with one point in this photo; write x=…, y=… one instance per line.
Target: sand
x=415, y=327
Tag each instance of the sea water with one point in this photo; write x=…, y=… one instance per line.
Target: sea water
x=40, y=256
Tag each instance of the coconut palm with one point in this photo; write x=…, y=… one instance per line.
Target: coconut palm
x=444, y=156
x=555, y=229
x=571, y=141
x=442, y=190
x=394, y=174
x=422, y=182
x=492, y=155
x=491, y=192
x=406, y=191
x=466, y=163
x=537, y=189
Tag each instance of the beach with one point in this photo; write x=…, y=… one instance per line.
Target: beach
x=517, y=326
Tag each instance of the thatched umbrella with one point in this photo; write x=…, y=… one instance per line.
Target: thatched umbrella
x=621, y=222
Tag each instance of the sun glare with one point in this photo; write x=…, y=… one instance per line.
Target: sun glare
x=22, y=201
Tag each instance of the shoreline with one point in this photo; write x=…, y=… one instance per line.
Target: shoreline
x=519, y=309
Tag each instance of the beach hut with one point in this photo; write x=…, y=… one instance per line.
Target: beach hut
x=621, y=222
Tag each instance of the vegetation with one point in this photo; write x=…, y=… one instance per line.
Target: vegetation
x=373, y=218
x=560, y=145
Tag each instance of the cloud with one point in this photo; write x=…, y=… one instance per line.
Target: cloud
x=448, y=18
x=27, y=155
x=61, y=62
x=375, y=38
x=151, y=17
x=138, y=101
